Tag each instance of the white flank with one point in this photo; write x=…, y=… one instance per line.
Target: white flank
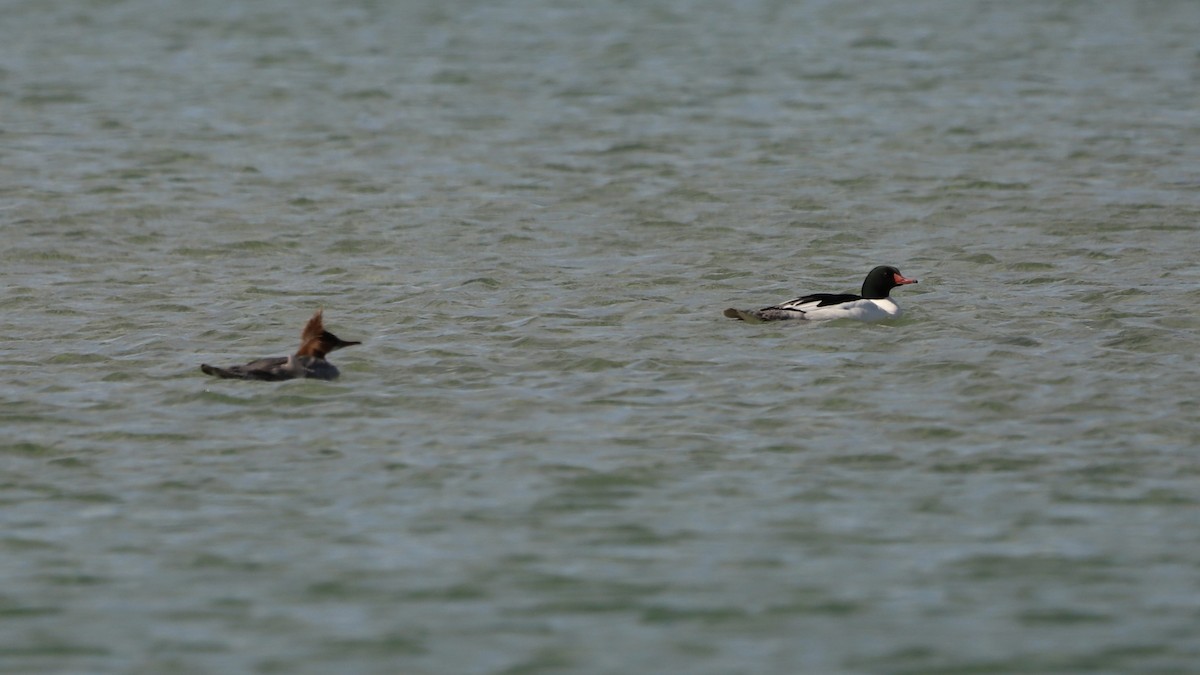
x=861, y=310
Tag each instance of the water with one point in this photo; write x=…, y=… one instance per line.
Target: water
x=553, y=454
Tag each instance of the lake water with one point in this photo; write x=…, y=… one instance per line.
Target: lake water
x=553, y=454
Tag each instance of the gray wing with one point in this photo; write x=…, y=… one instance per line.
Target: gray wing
x=270, y=369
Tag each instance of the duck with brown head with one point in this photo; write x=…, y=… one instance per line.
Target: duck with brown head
x=308, y=361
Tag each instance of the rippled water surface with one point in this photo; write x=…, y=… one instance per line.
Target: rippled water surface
x=553, y=454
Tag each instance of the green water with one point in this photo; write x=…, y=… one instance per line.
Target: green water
x=553, y=454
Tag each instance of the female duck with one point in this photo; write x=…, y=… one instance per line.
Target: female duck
x=308, y=361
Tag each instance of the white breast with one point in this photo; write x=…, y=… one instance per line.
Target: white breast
x=861, y=310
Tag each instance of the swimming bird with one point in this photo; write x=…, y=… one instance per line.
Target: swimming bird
x=308, y=361
x=873, y=305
